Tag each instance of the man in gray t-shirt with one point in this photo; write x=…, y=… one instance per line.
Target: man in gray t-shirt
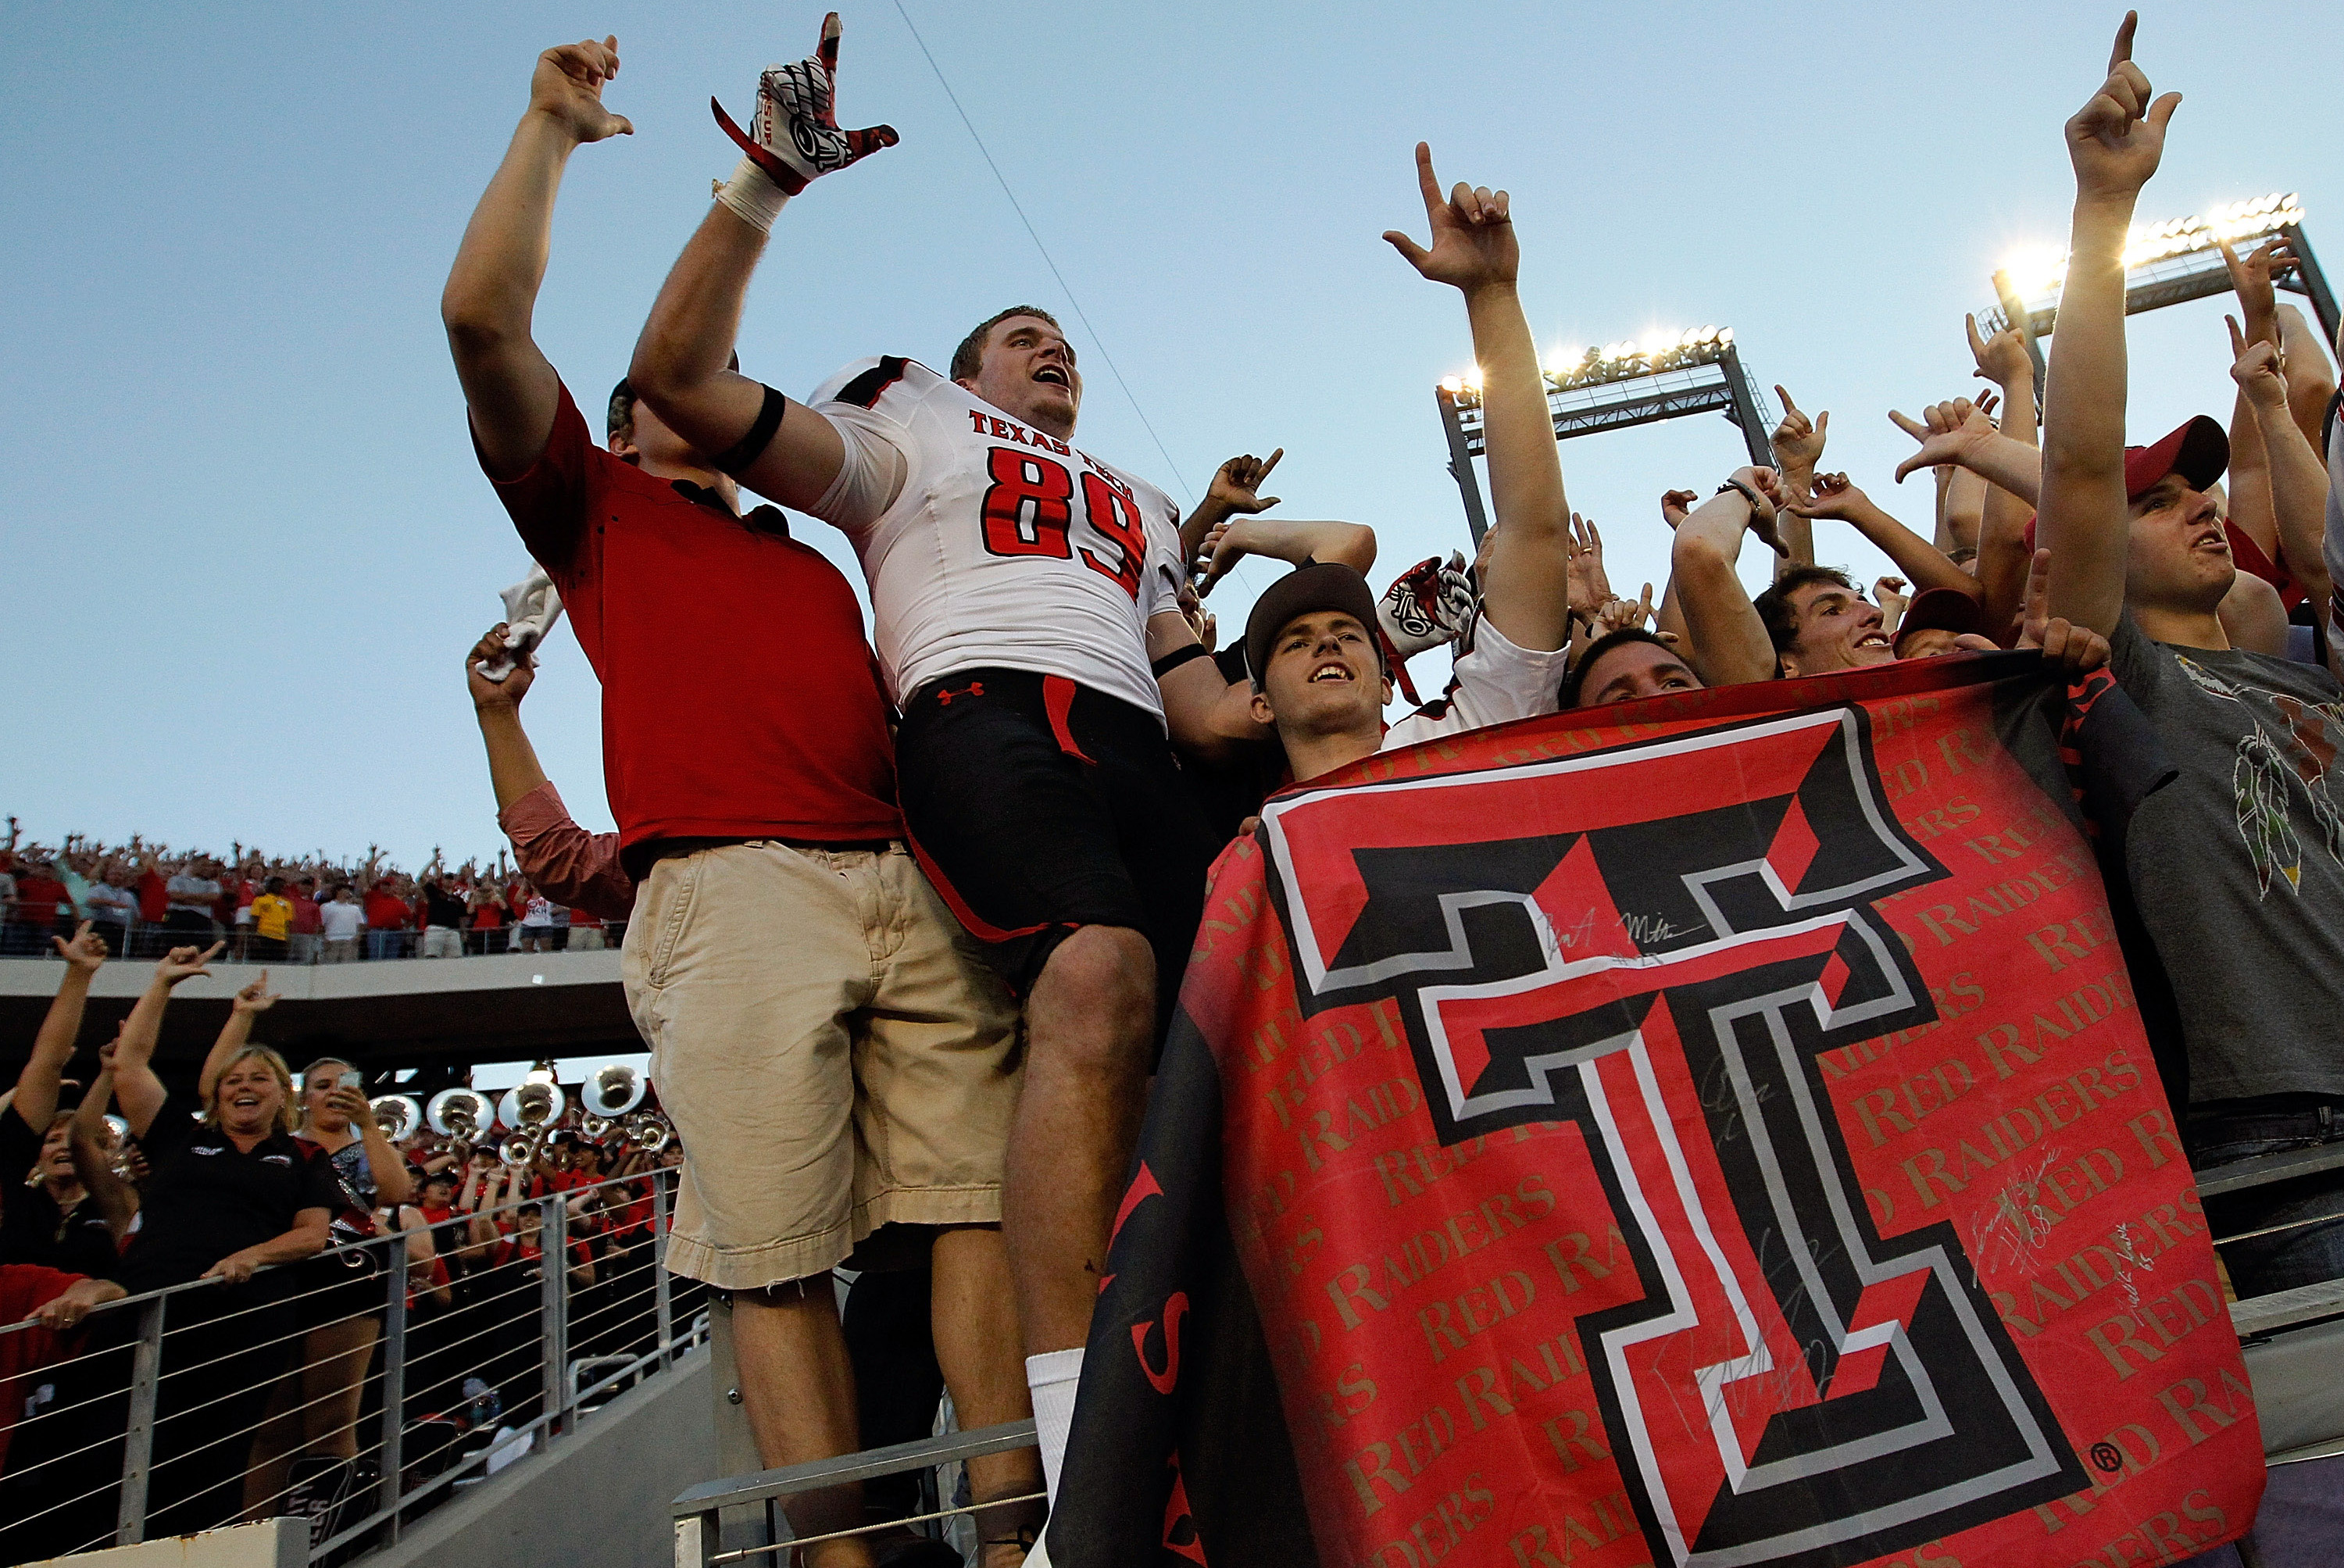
x=2239, y=864
x=194, y=895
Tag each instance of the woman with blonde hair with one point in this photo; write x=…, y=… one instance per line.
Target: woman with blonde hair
x=230, y=1193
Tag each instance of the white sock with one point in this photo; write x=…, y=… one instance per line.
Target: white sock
x=1052, y=1378
x=753, y=196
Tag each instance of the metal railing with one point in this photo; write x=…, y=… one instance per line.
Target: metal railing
x=22, y=938
x=699, y=1542
x=200, y=1405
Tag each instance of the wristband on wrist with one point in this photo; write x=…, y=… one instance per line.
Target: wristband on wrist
x=753, y=196
x=1758, y=505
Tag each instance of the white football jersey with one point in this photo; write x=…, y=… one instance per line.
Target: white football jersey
x=988, y=543
x=1494, y=682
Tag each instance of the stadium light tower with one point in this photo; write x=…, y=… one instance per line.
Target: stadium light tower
x=1665, y=376
x=2164, y=264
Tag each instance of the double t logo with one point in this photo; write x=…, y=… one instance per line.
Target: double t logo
x=1655, y=943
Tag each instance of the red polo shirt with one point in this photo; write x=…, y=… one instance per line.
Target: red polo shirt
x=384, y=910
x=739, y=699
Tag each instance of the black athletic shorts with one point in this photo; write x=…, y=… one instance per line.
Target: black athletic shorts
x=1036, y=805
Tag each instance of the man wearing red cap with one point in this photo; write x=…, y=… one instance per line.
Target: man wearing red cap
x=2241, y=856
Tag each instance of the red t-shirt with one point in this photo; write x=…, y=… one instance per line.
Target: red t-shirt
x=38, y=897
x=739, y=698
x=386, y=911
x=26, y=1289
x=154, y=897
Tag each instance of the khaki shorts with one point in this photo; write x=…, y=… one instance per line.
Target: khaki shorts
x=832, y=1053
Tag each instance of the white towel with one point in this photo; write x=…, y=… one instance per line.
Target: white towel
x=532, y=607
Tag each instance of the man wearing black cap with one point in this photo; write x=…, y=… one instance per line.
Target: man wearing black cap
x=2240, y=858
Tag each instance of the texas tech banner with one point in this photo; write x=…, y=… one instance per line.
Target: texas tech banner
x=1725, y=1135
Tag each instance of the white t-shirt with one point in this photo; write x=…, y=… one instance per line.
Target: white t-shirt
x=1492, y=683
x=988, y=543
x=341, y=922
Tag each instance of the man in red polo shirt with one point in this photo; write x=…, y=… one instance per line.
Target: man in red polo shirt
x=832, y=1053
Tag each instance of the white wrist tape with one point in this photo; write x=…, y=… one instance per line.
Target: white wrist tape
x=753, y=196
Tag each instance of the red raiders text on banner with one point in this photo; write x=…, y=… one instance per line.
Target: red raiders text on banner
x=1724, y=1137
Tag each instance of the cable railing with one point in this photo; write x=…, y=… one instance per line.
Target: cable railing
x=22, y=937
x=359, y=1388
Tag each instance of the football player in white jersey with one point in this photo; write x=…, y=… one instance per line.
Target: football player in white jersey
x=1013, y=576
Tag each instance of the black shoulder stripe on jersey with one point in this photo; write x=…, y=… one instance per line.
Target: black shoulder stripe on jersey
x=864, y=390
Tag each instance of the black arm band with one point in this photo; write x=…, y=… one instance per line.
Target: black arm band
x=1178, y=657
x=751, y=447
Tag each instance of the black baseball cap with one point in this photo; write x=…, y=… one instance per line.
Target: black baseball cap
x=1939, y=609
x=1322, y=585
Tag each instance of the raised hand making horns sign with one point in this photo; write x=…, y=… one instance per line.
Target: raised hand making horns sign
x=795, y=129
x=1473, y=243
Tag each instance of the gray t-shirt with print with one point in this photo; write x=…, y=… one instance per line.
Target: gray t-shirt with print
x=2239, y=864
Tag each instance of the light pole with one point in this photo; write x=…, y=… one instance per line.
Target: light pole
x=1611, y=387
x=2165, y=263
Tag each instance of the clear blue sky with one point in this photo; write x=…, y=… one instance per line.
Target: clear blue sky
x=249, y=544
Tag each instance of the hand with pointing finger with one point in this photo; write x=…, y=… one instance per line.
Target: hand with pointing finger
x=2116, y=140
x=2002, y=358
x=1799, y=441
x=1473, y=244
x=2259, y=370
x=1949, y=432
x=1237, y=483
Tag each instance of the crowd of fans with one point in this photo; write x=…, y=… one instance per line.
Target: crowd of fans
x=920, y=909
x=290, y=1193
x=141, y=899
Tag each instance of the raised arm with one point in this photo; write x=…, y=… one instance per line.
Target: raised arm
x=1729, y=645
x=1961, y=434
x=1287, y=538
x=117, y=1200
x=681, y=359
x=1525, y=564
x=1798, y=443
x=2252, y=510
x=35, y=1098
x=2310, y=382
x=2003, y=556
x=134, y=1080
x=247, y=1004
x=513, y=768
x=1925, y=566
x=509, y=387
x=2298, y=478
x=2115, y=143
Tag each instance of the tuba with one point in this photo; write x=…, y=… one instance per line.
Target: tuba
x=398, y=1115
x=530, y=1109
x=648, y=1131
x=608, y=1097
x=461, y=1114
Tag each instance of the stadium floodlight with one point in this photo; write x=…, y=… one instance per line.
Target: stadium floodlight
x=1664, y=375
x=2166, y=264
